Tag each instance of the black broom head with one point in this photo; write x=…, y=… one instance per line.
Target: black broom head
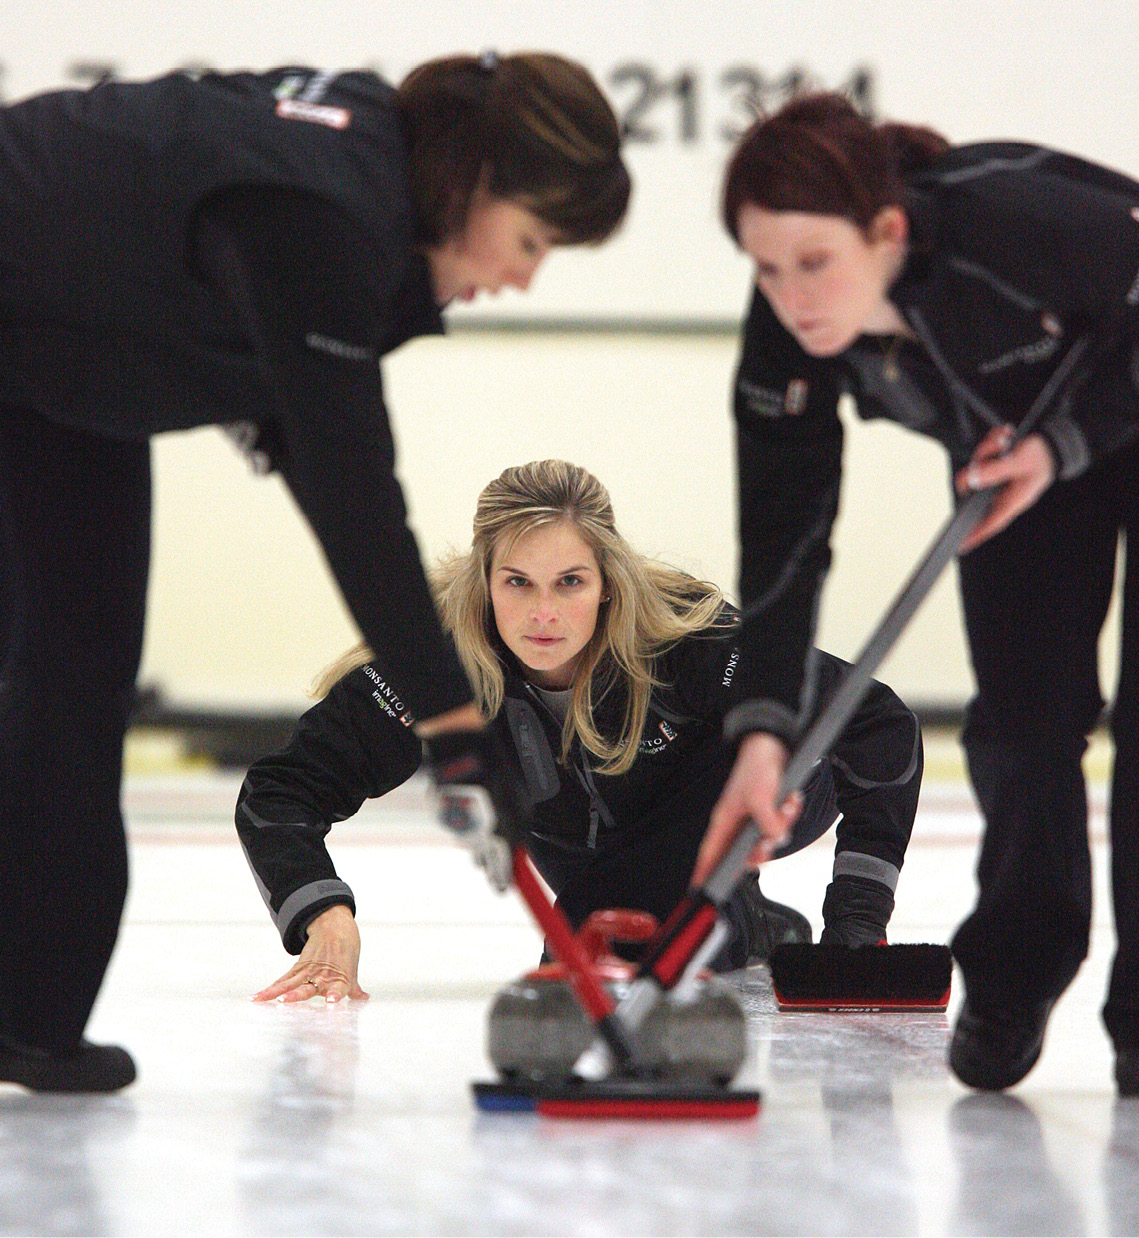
x=902, y=977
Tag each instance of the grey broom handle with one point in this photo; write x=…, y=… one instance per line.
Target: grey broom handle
x=816, y=743
x=827, y=727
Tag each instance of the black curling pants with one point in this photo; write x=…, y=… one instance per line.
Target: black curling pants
x=651, y=869
x=1035, y=599
x=74, y=556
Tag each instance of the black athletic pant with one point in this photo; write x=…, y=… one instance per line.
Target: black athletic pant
x=75, y=529
x=651, y=869
x=1035, y=598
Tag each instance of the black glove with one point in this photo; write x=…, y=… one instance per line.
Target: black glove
x=478, y=797
x=261, y=445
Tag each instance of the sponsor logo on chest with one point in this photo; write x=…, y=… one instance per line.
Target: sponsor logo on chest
x=653, y=744
x=298, y=98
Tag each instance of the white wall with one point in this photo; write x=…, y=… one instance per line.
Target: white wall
x=242, y=612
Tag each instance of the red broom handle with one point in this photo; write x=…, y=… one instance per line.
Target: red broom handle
x=592, y=994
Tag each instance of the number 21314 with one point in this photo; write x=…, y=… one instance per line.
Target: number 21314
x=653, y=106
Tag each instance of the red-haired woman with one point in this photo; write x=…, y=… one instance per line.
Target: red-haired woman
x=946, y=288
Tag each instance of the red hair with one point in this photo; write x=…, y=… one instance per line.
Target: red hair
x=819, y=155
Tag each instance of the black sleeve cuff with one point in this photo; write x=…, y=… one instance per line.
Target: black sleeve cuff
x=1068, y=444
x=768, y=716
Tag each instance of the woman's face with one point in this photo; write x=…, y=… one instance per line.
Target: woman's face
x=502, y=246
x=546, y=590
x=826, y=279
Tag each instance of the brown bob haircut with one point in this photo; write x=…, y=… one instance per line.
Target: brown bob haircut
x=533, y=128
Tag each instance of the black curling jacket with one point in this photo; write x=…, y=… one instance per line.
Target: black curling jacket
x=357, y=743
x=233, y=248
x=1017, y=255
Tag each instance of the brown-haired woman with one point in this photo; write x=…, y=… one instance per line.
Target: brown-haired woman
x=951, y=289
x=230, y=247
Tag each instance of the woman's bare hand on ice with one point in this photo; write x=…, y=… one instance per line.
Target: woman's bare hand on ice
x=326, y=966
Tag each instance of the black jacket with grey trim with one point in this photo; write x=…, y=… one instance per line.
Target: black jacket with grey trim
x=236, y=247
x=357, y=744
x=1016, y=254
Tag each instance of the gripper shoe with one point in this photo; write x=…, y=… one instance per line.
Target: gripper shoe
x=992, y=1050
x=88, y=1068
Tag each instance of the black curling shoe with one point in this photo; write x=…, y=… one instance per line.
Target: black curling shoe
x=1127, y=1071
x=779, y=925
x=856, y=911
x=758, y=925
x=89, y=1068
x=995, y=1049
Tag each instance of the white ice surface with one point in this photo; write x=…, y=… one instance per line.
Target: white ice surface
x=357, y=1118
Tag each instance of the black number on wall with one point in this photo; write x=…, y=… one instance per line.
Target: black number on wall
x=745, y=89
x=653, y=106
x=644, y=81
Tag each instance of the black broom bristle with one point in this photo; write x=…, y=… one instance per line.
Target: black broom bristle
x=873, y=974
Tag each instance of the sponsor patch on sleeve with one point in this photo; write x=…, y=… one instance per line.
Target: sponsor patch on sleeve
x=339, y=348
x=762, y=401
x=771, y=402
x=387, y=698
x=317, y=113
x=796, y=398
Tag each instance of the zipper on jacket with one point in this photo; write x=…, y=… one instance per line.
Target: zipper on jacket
x=597, y=807
x=957, y=385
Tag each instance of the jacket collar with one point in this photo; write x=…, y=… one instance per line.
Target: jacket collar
x=924, y=243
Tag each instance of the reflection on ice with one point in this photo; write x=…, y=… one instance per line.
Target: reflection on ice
x=358, y=1119
x=47, y=1145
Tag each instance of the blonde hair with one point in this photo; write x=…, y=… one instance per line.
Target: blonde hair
x=650, y=605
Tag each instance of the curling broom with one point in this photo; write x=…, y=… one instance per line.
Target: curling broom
x=871, y=980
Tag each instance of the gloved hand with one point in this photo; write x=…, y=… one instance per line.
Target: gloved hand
x=478, y=797
x=261, y=445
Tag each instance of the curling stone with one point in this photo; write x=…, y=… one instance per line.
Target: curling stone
x=697, y=1038
x=537, y=1029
